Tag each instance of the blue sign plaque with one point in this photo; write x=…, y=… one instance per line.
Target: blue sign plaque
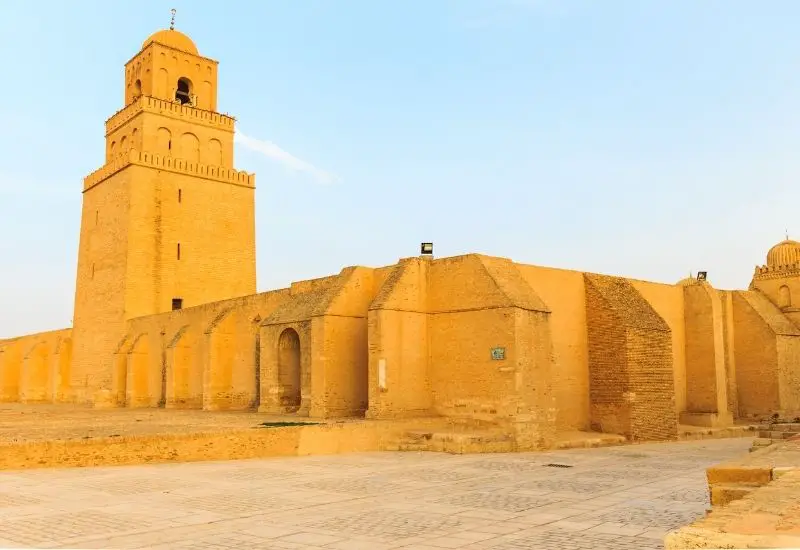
x=498, y=354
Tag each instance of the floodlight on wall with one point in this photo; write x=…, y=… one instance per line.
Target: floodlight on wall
x=426, y=248
x=701, y=275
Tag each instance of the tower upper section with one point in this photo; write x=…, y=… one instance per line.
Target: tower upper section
x=170, y=67
x=170, y=106
x=783, y=260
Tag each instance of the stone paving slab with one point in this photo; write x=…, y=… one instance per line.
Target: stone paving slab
x=616, y=498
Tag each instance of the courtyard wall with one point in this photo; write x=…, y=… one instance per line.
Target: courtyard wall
x=472, y=337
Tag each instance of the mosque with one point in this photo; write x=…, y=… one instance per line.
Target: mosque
x=167, y=313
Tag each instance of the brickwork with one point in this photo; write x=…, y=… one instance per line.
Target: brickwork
x=755, y=344
x=668, y=303
x=726, y=301
x=788, y=350
x=563, y=292
x=700, y=350
x=630, y=362
x=608, y=365
x=474, y=303
x=399, y=379
x=651, y=385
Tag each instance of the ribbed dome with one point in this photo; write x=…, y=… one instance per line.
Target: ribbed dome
x=784, y=253
x=173, y=39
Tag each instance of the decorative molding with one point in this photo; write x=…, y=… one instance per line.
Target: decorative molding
x=173, y=48
x=766, y=272
x=169, y=164
x=148, y=104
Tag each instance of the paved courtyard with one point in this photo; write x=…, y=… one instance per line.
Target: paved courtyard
x=616, y=497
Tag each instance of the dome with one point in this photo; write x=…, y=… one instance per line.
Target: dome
x=784, y=253
x=173, y=39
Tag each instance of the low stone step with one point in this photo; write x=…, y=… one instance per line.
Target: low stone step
x=727, y=493
x=760, y=443
x=727, y=474
x=775, y=434
x=787, y=427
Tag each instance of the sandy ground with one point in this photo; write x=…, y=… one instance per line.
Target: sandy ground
x=29, y=423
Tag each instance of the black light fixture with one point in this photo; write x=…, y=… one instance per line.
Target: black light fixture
x=426, y=248
x=701, y=275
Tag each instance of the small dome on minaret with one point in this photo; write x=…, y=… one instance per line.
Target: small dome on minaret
x=786, y=252
x=173, y=39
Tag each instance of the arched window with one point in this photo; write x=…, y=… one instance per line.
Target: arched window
x=163, y=141
x=785, y=297
x=137, y=88
x=184, y=91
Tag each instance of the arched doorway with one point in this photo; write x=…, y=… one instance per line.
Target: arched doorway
x=289, y=369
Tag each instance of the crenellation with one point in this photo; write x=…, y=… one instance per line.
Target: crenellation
x=171, y=109
x=180, y=166
x=766, y=272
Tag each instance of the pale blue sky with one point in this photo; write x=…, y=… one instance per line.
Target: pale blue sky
x=638, y=138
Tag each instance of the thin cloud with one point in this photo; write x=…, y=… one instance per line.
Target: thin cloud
x=273, y=152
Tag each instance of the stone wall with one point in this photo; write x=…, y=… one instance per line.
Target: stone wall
x=630, y=362
x=35, y=368
x=418, y=338
x=766, y=348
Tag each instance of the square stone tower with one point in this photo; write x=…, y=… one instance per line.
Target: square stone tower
x=167, y=222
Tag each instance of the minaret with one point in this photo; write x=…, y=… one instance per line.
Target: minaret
x=167, y=223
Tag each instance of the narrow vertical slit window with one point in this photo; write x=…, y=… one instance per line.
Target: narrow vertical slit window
x=180, y=194
x=179, y=251
x=96, y=216
x=92, y=271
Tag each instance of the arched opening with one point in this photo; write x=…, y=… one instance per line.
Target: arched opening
x=785, y=298
x=289, y=369
x=163, y=141
x=162, y=84
x=137, y=88
x=184, y=92
x=214, y=153
x=190, y=147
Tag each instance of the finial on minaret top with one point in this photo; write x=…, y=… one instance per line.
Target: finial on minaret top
x=787, y=234
x=172, y=20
